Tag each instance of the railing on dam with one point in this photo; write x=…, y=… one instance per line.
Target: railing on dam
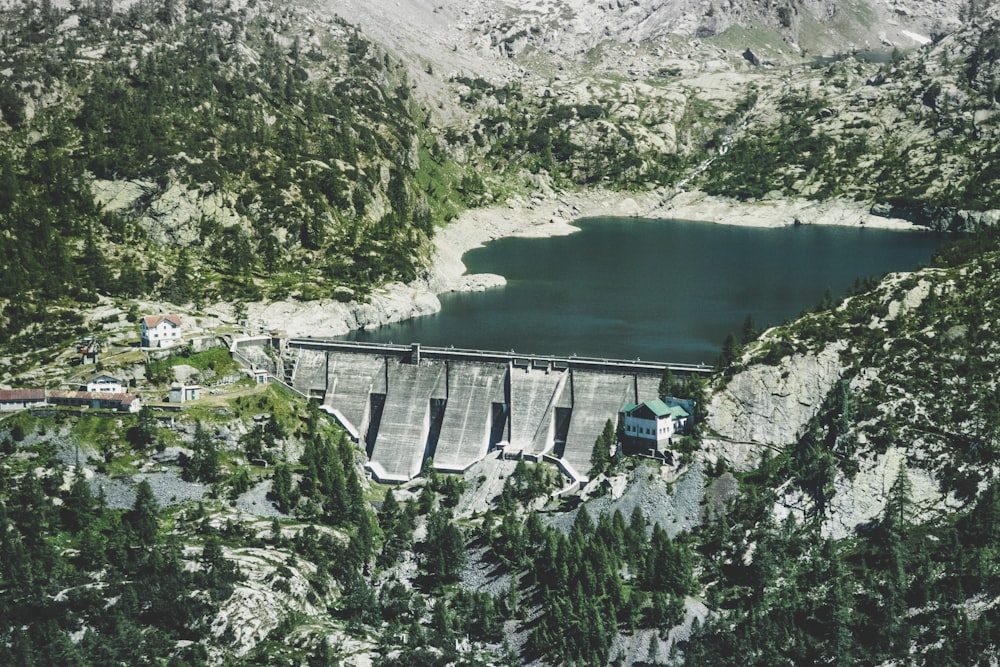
x=460, y=354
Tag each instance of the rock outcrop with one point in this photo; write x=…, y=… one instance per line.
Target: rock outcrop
x=257, y=606
x=861, y=499
x=941, y=218
x=325, y=317
x=169, y=216
x=766, y=407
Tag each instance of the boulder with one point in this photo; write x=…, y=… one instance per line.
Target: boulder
x=751, y=57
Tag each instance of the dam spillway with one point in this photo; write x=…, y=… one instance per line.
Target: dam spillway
x=407, y=404
x=595, y=398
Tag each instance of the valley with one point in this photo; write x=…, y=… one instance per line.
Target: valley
x=260, y=171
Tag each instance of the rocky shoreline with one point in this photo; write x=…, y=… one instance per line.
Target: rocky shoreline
x=541, y=216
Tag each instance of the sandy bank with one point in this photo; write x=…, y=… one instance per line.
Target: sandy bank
x=540, y=216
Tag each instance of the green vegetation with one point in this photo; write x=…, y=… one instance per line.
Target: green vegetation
x=312, y=172
x=218, y=107
x=917, y=381
x=596, y=581
x=528, y=482
x=899, y=590
x=899, y=135
x=145, y=600
x=211, y=363
x=577, y=144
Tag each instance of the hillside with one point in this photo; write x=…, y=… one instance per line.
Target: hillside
x=200, y=150
x=213, y=155
x=843, y=480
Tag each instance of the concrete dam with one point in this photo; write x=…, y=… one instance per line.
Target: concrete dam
x=407, y=404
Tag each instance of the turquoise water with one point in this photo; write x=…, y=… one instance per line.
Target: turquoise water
x=663, y=290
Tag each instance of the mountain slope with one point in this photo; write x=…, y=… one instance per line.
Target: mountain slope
x=191, y=151
x=865, y=511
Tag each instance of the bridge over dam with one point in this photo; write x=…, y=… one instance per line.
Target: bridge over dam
x=407, y=403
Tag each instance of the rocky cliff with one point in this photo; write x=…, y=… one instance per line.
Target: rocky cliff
x=766, y=408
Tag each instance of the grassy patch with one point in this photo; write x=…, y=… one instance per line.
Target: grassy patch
x=217, y=360
x=762, y=40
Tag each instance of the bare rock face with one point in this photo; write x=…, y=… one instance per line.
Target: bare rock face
x=862, y=499
x=170, y=215
x=501, y=39
x=766, y=407
x=257, y=606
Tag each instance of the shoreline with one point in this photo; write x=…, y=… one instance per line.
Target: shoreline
x=540, y=216
x=554, y=217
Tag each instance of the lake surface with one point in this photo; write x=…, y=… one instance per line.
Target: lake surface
x=663, y=290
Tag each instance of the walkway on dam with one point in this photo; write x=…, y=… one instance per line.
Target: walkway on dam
x=406, y=403
x=460, y=354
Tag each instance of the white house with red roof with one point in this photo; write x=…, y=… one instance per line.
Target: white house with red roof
x=161, y=330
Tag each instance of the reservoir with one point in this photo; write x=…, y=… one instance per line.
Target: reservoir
x=658, y=290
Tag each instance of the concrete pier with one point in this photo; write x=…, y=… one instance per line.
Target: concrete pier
x=534, y=392
x=351, y=378
x=401, y=443
x=309, y=373
x=473, y=389
x=597, y=397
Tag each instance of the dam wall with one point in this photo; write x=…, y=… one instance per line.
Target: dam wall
x=351, y=378
x=596, y=398
x=534, y=392
x=473, y=391
x=406, y=403
x=307, y=372
x=401, y=443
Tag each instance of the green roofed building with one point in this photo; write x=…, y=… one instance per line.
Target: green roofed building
x=654, y=423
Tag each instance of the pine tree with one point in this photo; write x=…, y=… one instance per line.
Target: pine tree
x=204, y=465
x=600, y=456
x=144, y=432
x=142, y=519
x=750, y=331
x=281, y=488
x=444, y=549
x=897, y=506
x=730, y=354
x=78, y=507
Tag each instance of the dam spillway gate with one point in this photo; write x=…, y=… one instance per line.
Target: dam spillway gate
x=407, y=404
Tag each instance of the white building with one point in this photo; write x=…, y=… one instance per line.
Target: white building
x=161, y=330
x=101, y=384
x=180, y=393
x=654, y=423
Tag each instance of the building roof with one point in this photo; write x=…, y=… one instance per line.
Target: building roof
x=659, y=409
x=7, y=395
x=677, y=412
x=150, y=321
x=124, y=399
x=102, y=377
